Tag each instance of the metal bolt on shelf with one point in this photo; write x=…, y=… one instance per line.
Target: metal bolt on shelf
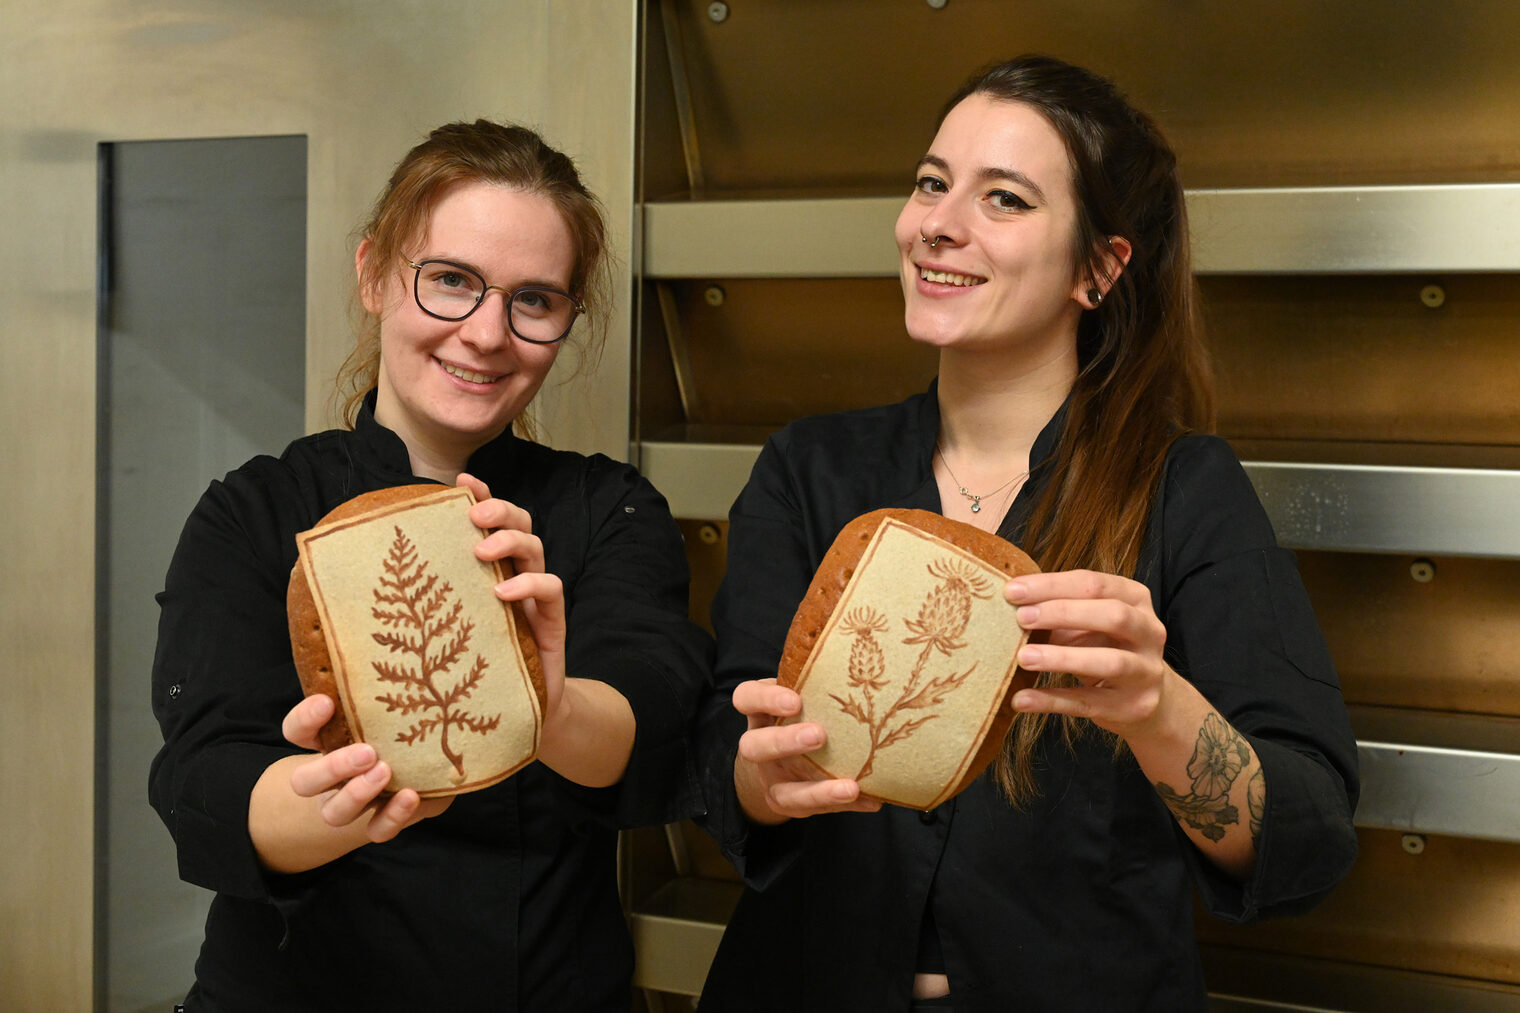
x=1422, y=571
x=1433, y=296
x=717, y=12
x=1413, y=844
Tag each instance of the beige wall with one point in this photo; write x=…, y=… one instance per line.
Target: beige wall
x=362, y=80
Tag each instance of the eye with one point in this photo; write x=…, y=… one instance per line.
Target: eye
x=1007, y=200
x=930, y=184
x=540, y=303
x=449, y=279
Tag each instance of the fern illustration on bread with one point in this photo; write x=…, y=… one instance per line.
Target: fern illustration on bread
x=392, y=615
x=409, y=605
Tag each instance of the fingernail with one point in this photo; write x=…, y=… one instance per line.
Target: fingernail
x=1029, y=654
x=1016, y=591
x=842, y=792
x=1027, y=614
x=811, y=737
x=1022, y=701
x=378, y=774
x=364, y=755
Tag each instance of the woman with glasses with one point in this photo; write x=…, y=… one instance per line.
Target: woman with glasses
x=1186, y=730
x=477, y=261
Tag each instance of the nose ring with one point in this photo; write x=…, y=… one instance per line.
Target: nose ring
x=933, y=244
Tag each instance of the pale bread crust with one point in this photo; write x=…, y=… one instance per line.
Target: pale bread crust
x=308, y=644
x=838, y=566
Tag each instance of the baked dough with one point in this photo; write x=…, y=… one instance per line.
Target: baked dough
x=392, y=615
x=904, y=650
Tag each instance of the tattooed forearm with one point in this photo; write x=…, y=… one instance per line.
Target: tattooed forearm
x=1218, y=758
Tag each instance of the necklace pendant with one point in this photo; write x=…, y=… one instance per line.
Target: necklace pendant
x=976, y=506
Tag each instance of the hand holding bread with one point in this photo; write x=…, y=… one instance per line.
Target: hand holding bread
x=350, y=782
x=773, y=778
x=896, y=674
x=1103, y=630
x=307, y=810
x=539, y=594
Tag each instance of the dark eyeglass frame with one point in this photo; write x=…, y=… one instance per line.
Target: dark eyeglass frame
x=510, y=295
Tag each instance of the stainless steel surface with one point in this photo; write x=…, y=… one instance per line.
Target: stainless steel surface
x=1364, y=508
x=1304, y=230
x=676, y=933
x=700, y=480
x=680, y=354
x=1433, y=790
x=1351, y=508
x=841, y=237
x=1362, y=230
x=691, y=149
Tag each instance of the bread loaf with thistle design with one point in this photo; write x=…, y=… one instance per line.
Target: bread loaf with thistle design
x=904, y=649
x=391, y=615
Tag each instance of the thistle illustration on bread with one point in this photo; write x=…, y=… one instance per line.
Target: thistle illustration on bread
x=941, y=623
x=421, y=624
x=905, y=652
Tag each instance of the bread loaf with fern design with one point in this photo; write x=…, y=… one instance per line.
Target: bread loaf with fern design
x=904, y=649
x=392, y=616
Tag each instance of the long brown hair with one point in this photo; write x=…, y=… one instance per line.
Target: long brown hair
x=1144, y=376
x=483, y=152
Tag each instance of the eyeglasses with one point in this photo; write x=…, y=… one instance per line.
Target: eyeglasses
x=535, y=313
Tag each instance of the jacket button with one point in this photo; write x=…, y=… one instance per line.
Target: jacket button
x=927, y=817
x=174, y=691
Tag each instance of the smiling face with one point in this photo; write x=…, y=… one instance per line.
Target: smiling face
x=996, y=190
x=449, y=387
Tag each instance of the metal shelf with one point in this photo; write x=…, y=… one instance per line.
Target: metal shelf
x=1462, y=779
x=1422, y=772
x=1339, y=507
x=1449, y=781
x=1382, y=508
x=1295, y=230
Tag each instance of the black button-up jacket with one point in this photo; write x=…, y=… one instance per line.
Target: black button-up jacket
x=1083, y=900
x=508, y=899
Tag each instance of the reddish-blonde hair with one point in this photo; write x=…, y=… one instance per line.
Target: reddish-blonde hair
x=484, y=152
x=1144, y=376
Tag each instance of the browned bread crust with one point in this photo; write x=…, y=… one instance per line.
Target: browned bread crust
x=834, y=574
x=308, y=643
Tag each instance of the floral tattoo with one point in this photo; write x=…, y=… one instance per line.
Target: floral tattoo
x=1218, y=759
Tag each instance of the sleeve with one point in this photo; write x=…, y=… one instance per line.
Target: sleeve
x=628, y=626
x=1241, y=628
x=769, y=569
x=223, y=680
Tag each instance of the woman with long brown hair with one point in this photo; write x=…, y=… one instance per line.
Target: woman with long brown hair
x=1186, y=728
x=479, y=258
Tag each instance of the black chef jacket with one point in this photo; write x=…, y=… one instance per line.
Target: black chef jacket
x=507, y=900
x=1083, y=900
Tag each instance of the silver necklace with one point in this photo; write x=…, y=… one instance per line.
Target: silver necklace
x=976, y=501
